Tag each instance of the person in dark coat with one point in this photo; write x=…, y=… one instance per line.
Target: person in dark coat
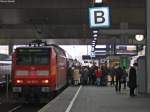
x=112, y=74
x=132, y=79
x=92, y=75
x=118, y=73
x=85, y=76
x=124, y=77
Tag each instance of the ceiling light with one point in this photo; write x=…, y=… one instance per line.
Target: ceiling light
x=93, y=45
x=95, y=35
x=95, y=31
x=101, y=46
x=95, y=38
x=7, y=1
x=93, y=41
x=98, y=1
x=100, y=51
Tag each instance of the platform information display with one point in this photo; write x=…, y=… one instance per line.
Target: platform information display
x=128, y=50
x=99, y=17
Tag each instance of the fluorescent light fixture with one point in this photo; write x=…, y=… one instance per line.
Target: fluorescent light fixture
x=93, y=41
x=139, y=37
x=100, y=46
x=95, y=35
x=95, y=38
x=100, y=54
x=5, y=62
x=7, y=1
x=102, y=51
x=95, y=31
x=93, y=45
x=98, y=1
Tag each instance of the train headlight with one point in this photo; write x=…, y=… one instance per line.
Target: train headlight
x=19, y=81
x=45, y=81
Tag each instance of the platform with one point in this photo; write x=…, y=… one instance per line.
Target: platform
x=97, y=99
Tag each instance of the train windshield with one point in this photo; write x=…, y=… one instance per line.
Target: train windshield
x=32, y=57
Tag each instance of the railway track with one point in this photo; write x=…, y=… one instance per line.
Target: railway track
x=26, y=108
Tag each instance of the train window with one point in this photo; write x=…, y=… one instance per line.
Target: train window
x=41, y=59
x=32, y=59
x=23, y=59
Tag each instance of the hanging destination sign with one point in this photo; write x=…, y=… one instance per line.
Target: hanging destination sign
x=99, y=17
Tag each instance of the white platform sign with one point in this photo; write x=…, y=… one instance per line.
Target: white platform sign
x=99, y=17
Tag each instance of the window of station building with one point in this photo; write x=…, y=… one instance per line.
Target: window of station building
x=4, y=49
x=76, y=51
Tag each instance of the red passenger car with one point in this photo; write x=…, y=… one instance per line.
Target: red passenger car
x=38, y=71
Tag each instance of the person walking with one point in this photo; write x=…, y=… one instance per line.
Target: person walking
x=85, y=76
x=132, y=79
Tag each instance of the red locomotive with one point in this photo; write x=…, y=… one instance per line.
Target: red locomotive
x=38, y=71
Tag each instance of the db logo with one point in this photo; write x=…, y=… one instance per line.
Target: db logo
x=32, y=68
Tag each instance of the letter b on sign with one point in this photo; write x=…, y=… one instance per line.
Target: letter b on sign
x=99, y=17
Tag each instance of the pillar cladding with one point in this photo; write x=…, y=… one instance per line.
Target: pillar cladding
x=10, y=48
x=148, y=46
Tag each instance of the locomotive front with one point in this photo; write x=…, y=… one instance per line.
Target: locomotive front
x=31, y=72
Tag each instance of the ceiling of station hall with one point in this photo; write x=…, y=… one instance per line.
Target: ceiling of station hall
x=64, y=19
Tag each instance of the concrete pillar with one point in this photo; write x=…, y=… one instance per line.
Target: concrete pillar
x=148, y=46
x=124, y=37
x=10, y=46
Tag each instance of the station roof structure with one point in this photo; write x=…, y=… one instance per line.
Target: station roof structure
x=67, y=21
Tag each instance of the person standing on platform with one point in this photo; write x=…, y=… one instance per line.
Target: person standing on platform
x=92, y=75
x=112, y=74
x=132, y=79
x=124, y=77
x=98, y=77
x=118, y=73
x=85, y=76
x=76, y=75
